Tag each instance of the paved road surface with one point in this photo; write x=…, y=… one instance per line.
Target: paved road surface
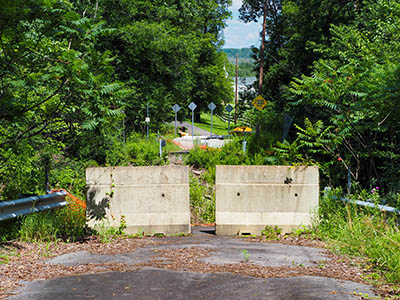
x=197, y=130
x=151, y=282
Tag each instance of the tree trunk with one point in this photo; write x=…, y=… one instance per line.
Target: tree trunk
x=262, y=47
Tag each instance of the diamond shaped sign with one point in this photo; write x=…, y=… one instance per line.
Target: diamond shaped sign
x=259, y=102
x=192, y=106
x=176, y=108
x=212, y=106
x=229, y=108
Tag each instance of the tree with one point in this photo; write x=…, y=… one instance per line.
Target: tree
x=355, y=90
x=167, y=53
x=54, y=84
x=250, y=11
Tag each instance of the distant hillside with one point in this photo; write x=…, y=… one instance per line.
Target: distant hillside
x=243, y=52
x=245, y=61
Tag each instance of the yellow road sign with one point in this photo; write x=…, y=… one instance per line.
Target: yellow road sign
x=259, y=102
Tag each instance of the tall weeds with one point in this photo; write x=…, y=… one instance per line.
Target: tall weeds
x=363, y=232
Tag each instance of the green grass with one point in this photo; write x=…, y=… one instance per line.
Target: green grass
x=362, y=232
x=219, y=126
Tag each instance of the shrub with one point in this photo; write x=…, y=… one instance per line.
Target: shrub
x=67, y=223
x=137, y=151
x=202, y=201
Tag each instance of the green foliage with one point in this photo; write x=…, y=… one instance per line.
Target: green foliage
x=355, y=90
x=246, y=255
x=108, y=233
x=202, y=200
x=65, y=223
x=167, y=53
x=362, y=232
x=8, y=230
x=76, y=78
x=271, y=232
x=230, y=154
x=242, y=53
x=136, y=151
x=315, y=145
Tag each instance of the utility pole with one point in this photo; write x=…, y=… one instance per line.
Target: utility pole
x=236, y=87
x=262, y=47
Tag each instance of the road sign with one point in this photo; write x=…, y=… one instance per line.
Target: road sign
x=259, y=102
x=176, y=108
x=212, y=106
x=229, y=108
x=192, y=106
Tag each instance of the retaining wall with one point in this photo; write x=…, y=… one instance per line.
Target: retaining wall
x=149, y=199
x=250, y=197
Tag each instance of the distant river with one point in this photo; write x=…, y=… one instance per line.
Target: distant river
x=244, y=81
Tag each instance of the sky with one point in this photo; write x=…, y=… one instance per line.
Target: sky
x=239, y=34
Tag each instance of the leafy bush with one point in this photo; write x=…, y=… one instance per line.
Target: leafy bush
x=230, y=154
x=67, y=223
x=271, y=232
x=137, y=151
x=202, y=201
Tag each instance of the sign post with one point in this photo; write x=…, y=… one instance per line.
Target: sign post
x=211, y=106
x=176, y=108
x=192, y=107
x=229, y=109
x=162, y=144
x=147, y=121
x=259, y=103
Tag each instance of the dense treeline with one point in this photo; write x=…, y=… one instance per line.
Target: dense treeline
x=334, y=67
x=75, y=75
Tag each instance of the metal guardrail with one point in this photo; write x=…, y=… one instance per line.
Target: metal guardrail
x=25, y=206
x=364, y=203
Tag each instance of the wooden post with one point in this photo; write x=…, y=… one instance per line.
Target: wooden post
x=236, y=87
x=262, y=47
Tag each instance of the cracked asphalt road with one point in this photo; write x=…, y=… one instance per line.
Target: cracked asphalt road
x=199, y=267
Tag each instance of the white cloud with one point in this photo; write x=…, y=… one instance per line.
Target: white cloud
x=238, y=34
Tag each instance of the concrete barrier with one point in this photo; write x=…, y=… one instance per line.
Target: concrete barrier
x=149, y=199
x=250, y=197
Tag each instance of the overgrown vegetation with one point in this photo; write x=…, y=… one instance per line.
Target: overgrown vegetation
x=76, y=77
x=76, y=80
x=362, y=231
x=68, y=224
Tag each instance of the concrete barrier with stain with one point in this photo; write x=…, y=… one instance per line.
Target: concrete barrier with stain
x=250, y=197
x=148, y=199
